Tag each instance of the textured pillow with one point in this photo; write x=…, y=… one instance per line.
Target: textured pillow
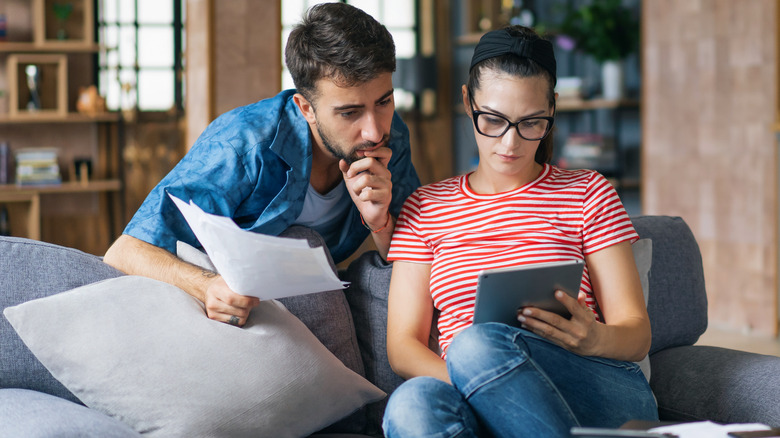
x=326, y=314
x=143, y=351
x=643, y=257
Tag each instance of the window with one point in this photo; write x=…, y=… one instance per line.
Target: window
x=139, y=64
x=399, y=16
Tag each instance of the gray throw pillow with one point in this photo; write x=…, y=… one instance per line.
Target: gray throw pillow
x=33, y=414
x=143, y=352
x=643, y=257
x=326, y=314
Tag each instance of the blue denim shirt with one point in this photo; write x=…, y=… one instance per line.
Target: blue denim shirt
x=253, y=164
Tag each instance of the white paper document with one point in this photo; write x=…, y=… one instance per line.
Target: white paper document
x=707, y=429
x=259, y=265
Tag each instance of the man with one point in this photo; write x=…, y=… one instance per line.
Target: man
x=332, y=156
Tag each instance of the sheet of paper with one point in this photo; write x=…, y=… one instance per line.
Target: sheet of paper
x=707, y=429
x=258, y=265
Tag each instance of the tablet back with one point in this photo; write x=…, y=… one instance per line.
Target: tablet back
x=500, y=292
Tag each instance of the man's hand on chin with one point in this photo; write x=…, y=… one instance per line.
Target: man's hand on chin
x=370, y=185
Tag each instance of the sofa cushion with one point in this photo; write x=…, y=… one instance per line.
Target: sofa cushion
x=30, y=270
x=143, y=351
x=696, y=383
x=678, y=301
x=33, y=414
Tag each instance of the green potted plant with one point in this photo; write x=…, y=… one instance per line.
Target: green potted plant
x=62, y=11
x=608, y=32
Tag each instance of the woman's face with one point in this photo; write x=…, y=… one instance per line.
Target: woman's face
x=509, y=156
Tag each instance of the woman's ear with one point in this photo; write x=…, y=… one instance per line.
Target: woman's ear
x=306, y=107
x=466, y=104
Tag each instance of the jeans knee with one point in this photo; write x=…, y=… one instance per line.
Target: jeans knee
x=481, y=341
x=483, y=351
x=425, y=406
x=468, y=341
x=412, y=396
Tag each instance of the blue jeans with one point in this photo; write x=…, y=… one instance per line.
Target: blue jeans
x=509, y=382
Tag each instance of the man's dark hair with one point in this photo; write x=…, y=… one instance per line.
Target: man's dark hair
x=340, y=42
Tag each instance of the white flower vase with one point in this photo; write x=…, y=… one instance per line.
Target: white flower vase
x=612, y=82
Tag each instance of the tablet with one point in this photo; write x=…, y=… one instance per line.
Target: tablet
x=500, y=292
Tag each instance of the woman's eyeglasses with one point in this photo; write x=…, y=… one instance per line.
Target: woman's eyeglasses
x=495, y=125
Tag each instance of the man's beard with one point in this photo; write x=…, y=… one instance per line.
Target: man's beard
x=351, y=156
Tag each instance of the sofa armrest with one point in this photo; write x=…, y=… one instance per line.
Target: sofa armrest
x=32, y=269
x=695, y=383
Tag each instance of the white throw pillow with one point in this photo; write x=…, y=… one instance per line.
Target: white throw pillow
x=144, y=352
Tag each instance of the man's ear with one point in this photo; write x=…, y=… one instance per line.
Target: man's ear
x=306, y=107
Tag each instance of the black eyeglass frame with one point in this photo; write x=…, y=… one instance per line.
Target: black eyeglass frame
x=510, y=124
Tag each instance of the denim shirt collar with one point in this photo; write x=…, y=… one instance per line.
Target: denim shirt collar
x=293, y=145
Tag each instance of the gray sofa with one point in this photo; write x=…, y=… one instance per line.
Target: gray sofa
x=690, y=382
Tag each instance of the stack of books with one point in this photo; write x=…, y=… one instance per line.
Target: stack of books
x=588, y=151
x=569, y=88
x=36, y=166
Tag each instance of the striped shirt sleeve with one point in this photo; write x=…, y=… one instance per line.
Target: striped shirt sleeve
x=606, y=222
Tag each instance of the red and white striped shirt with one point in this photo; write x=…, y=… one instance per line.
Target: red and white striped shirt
x=562, y=215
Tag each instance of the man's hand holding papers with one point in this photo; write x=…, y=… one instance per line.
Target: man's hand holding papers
x=258, y=265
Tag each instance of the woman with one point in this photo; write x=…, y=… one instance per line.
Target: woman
x=551, y=373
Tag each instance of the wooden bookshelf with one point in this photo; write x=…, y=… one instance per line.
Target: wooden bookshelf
x=85, y=215
x=24, y=202
x=53, y=73
x=53, y=118
x=75, y=31
x=594, y=104
x=31, y=47
x=8, y=191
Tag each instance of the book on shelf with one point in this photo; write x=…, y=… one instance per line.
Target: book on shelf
x=37, y=166
x=569, y=88
x=586, y=150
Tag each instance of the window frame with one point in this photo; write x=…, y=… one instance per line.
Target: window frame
x=101, y=64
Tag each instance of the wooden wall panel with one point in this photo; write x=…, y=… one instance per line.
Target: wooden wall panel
x=247, y=52
x=233, y=57
x=199, y=96
x=708, y=151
